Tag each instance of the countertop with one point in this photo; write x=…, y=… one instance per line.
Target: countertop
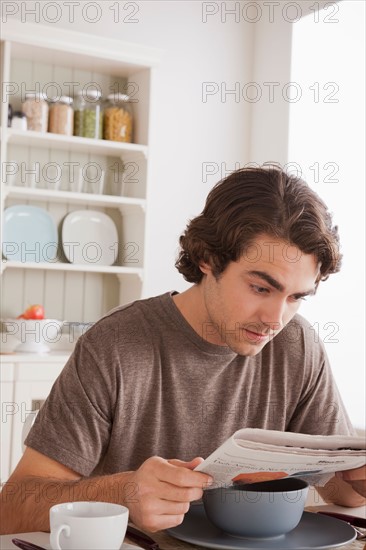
x=167, y=542
x=59, y=356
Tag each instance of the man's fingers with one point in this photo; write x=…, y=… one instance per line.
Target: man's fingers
x=169, y=507
x=356, y=478
x=178, y=473
x=359, y=486
x=190, y=465
x=353, y=475
x=173, y=493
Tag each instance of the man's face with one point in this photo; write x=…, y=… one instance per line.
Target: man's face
x=255, y=297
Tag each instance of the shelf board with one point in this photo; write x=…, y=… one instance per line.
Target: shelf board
x=69, y=48
x=59, y=266
x=124, y=204
x=128, y=151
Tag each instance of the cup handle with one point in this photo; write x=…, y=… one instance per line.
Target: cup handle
x=55, y=536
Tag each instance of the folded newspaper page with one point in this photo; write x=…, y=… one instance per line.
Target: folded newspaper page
x=251, y=455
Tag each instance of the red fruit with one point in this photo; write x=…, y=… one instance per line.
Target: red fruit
x=33, y=312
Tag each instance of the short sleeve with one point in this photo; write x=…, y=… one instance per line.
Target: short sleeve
x=73, y=426
x=320, y=409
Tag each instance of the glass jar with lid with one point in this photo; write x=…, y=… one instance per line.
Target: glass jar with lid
x=88, y=114
x=61, y=116
x=35, y=108
x=118, y=118
x=19, y=121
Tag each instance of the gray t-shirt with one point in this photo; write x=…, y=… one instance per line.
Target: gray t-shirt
x=141, y=382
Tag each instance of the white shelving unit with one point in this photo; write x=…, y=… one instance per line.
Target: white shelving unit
x=124, y=204
x=61, y=266
x=128, y=151
x=37, y=58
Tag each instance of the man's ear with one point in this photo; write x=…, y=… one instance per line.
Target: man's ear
x=205, y=268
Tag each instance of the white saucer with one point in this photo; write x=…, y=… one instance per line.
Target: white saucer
x=314, y=532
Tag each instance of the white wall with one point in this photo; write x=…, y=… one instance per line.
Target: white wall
x=327, y=140
x=187, y=131
x=272, y=53
x=271, y=73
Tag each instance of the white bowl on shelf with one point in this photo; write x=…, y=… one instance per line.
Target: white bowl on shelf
x=34, y=335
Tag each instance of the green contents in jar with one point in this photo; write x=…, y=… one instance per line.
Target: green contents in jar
x=88, y=114
x=91, y=124
x=86, y=122
x=78, y=123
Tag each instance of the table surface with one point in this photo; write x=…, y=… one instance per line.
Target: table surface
x=167, y=542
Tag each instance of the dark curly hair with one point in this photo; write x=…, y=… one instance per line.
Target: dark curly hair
x=253, y=201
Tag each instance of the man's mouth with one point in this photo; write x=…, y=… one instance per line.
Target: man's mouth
x=257, y=336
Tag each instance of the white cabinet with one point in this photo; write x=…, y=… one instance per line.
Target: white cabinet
x=25, y=383
x=40, y=169
x=6, y=420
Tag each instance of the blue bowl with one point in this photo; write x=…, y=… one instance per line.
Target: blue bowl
x=258, y=510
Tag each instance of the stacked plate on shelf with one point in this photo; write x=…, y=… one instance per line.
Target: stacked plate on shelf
x=29, y=234
x=89, y=237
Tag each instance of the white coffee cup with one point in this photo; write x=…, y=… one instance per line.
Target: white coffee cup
x=88, y=525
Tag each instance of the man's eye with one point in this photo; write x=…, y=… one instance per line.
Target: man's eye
x=298, y=298
x=259, y=289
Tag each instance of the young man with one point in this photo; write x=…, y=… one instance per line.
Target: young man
x=159, y=383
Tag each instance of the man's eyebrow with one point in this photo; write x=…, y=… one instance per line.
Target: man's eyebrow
x=266, y=277
x=275, y=284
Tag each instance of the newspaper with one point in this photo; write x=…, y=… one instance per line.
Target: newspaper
x=251, y=455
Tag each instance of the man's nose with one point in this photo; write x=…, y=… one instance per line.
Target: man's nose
x=272, y=314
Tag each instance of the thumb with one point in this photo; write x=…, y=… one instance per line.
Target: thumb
x=191, y=465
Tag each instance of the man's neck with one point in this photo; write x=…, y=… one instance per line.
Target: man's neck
x=191, y=305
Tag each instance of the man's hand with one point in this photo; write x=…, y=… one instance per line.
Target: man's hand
x=164, y=490
x=356, y=478
x=158, y=494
